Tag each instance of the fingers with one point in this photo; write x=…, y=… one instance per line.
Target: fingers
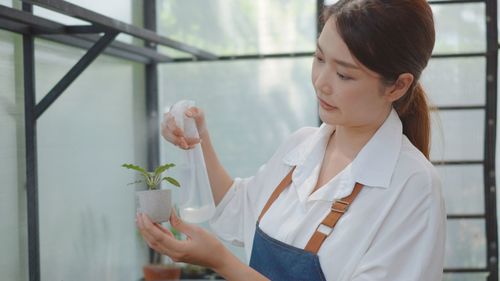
x=172, y=133
x=193, y=141
x=158, y=239
x=199, y=117
x=200, y=248
x=193, y=112
x=146, y=234
x=163, y=229
x=183, y=227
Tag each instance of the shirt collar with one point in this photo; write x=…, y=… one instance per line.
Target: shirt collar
x=373, y=165
x=298, y=155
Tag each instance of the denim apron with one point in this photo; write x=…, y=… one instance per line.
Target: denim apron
x=279, y=261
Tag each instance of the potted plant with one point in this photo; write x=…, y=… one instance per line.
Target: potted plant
x=157, y=204
x=154, y=202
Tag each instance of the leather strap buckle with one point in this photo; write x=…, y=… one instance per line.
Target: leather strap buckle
x=341, y=207
x=324, y=229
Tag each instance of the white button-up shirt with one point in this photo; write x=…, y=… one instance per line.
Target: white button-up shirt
x=394, y=230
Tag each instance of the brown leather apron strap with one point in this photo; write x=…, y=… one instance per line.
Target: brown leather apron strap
x=339, y=207
x=283, y=184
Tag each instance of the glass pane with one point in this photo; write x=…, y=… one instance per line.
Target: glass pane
x=460, y=28
x=59, y=60
x=87, y=210
x=457, y=135
x=250, y=107
x=465, y=244
x=13, y=225
x=465, y=276
x=240, y=27
x=463, y=188
x=7, y=3
x=464, y=79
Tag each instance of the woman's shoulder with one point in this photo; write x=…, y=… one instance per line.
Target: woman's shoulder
x=417, y=171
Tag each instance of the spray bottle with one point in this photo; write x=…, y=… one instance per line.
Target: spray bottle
x=196, y=203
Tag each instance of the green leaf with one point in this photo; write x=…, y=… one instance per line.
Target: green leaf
x=138, y=181
x=153, y=179
x=156, y=179
x=150, y=183
x=172, y=181
x=163, y=168
x=136, y=168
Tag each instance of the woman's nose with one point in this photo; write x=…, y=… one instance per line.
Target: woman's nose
x=325, y=89
x=322, y=84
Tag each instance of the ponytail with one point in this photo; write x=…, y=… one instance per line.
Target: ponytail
x=413, y=110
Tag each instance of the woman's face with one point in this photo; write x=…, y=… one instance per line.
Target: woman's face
x=349, y=94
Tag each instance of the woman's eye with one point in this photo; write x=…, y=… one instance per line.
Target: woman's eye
x=343, y=77
x=318, y=57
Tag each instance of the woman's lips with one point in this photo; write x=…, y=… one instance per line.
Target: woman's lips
x=326, y=105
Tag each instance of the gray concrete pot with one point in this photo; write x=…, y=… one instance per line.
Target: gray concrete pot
x=157, y=204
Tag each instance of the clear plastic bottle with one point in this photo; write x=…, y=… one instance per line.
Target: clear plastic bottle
x=196, y=203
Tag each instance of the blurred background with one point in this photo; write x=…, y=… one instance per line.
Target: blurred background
x=256, y=93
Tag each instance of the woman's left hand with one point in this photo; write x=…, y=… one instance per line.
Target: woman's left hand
x=200, y=248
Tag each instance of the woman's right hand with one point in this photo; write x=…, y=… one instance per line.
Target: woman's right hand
x=175, y=135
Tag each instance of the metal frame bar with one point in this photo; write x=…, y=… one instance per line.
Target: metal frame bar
x=14, y=26
x=151, y=81
x=141, y=33
x=465, y=216
x=116, y=49
x=32, y=112
x=465, y=270
x=319, y=11
x=307, y=54
x=74, y=72
x=40, y=25
x=459, y=107
x=463, y=162
x=444, y=2
x=31, y=153
x=27, y=18
x=490, y=138
x=77, y=36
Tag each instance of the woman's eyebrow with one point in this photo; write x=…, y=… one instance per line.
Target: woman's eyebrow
x=341, y=62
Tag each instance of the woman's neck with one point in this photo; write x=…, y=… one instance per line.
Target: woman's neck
x=349, y=140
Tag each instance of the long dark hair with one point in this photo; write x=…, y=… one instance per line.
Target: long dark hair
x=391, y=37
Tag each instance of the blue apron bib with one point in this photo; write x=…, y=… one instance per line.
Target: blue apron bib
x=279, y=261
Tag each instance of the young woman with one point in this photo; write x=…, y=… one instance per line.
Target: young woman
x=355, y=199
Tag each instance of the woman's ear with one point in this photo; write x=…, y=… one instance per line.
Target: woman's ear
x=399, y=88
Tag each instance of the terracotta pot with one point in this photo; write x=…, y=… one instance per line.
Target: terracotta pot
x=157, y=272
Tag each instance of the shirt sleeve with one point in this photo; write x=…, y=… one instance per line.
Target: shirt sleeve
x=236, y=214
x=232, y=213
x=410, y=246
